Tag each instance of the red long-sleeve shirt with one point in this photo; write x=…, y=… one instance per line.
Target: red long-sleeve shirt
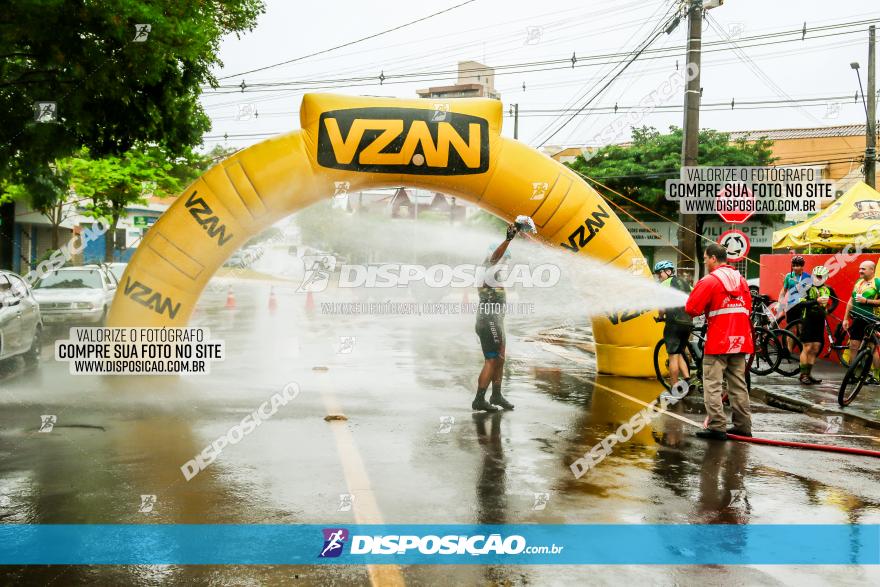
x=723, y=296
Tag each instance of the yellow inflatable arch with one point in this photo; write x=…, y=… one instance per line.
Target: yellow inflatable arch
x=454, y=146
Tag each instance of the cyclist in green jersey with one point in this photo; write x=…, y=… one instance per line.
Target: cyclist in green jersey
x=677, y=330
x=815, y=305
x=863, y=306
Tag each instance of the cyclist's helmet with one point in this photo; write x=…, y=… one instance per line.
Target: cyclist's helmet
x=797, y=260
x=661, y=265
x=820, y=274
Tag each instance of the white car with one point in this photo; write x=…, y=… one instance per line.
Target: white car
x=20, y=320
x=117, y=269
x=75, y=295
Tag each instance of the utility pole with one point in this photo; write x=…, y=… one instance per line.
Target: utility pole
x=687, y=231
x=516, y=121
x=871, y=131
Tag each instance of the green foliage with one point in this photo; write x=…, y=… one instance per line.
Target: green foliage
x=112, y=93
x=640, y=169
x=113, y=182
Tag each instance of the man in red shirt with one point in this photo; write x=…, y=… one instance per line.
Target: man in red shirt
x=723, y=296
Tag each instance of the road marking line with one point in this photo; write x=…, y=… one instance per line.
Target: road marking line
x=365, y=507
x=621, y=394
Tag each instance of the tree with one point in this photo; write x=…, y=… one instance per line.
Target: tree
x=113, y=183
x=110, y=84
x=639, y=170
x=47, y=192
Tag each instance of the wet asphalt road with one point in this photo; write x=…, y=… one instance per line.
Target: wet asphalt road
x=410, y=450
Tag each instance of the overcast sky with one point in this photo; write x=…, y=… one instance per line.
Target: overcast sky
x=511, y=33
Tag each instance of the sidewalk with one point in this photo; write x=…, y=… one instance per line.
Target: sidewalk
x=787, y=393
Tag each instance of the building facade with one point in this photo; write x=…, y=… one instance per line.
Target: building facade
x=475, y=80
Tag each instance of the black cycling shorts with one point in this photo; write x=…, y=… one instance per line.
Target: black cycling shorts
x=676, y=336
x=857, y=327
x=490, y=329
x=813, y=328
x=793, y=314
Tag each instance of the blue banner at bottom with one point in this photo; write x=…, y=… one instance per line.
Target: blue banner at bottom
x=532, y=544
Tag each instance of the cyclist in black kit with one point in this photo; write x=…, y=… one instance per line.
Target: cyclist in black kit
x=490, y=328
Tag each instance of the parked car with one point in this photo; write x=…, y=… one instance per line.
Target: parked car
x=20, y=321
x=116, y=269
x=235, y=260
x=75, y=294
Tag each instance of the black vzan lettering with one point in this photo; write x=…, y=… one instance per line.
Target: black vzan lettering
x=585, y=233
x=414, y=141
x=204, y=215
x=153, y=300
x=626, y=316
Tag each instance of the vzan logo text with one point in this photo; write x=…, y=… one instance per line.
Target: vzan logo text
x=204, y=215
x=584, y=234
x=403, y=140
x=153, y=300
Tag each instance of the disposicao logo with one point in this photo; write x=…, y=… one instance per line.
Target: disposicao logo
x=334, y=541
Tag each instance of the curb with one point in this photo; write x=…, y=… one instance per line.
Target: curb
x=796, y=404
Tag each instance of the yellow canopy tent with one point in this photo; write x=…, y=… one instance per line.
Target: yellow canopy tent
x=838, y=225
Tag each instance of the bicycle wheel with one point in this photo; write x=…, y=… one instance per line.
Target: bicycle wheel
x=661, y=363
x=790, y=348
x=856, y=375
x=766, y=357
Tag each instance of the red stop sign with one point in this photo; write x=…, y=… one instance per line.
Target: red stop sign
x=729, y=196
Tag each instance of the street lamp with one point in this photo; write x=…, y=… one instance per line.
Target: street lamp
x=855, y=65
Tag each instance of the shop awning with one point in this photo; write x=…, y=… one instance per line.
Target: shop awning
x=850, y=216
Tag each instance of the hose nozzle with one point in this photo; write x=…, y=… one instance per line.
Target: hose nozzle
x=525, y=224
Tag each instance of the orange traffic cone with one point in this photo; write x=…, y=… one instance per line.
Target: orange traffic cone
x=230, y=299
x=310, y=301
x=273, y=303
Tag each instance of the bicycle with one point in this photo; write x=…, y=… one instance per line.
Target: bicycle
x=768, y=354
x=693, y=356
x=859, y=370
x=778, y=346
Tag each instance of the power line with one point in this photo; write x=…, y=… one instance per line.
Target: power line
x=608, y=109
x=294, y=93
x=652, y=36
x=501, y=39
x=517, y=68
x=579, y=95
x=350, y=43
x=299, y=91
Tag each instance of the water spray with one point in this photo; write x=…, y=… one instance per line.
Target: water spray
x=525, y=224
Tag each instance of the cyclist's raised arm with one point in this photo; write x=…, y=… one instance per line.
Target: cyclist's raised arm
x=783, y=297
